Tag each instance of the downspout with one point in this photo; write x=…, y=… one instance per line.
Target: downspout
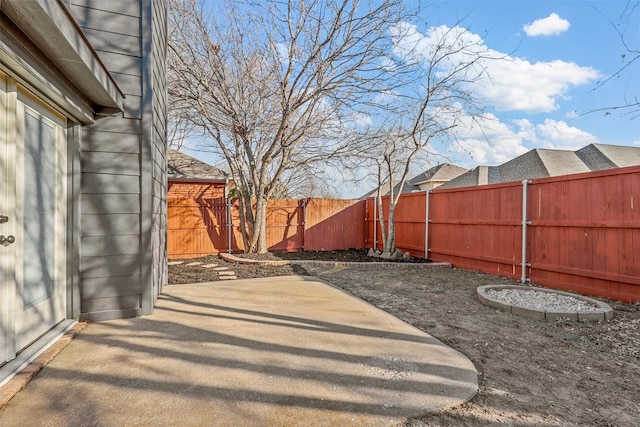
x=426, y=226
x=524, y=265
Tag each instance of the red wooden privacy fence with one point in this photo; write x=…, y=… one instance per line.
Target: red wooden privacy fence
x=201, y=221
x=410, y=223
x=582, y=231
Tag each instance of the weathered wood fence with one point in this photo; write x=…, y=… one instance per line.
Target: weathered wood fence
x=201, y=221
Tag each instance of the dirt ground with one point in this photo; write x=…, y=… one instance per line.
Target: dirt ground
x=531, y=373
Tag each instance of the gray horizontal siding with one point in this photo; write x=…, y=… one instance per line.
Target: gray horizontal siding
x=93, y=183
x=127, y=7
x=109, y=266
x=110, y=224
x=111, y=142
x=159, y=149
x=133, y=107
x=103, y=41
x=113, y=163
x=107, y=287
x=113, y=22
x=116, y=124
x=127, y=302
x=129, y=83
x=111, y=245
x=123, y=203
x=124, y=64
x=110, y=203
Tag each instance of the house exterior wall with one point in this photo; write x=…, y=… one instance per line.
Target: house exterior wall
x=159, y=274
x=123, y=183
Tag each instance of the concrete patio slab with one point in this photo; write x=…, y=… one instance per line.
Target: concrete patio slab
x=285, y=351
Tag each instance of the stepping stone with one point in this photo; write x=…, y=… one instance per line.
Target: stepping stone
x=227, y=277
x=209, y=265
x=175, y=262
x=191, y=264
x=226, y=273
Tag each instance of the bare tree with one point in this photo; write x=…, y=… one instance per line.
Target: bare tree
x=274, y=84
x=438, y=99
x=629, y=57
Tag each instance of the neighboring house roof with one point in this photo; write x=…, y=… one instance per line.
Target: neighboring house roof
x=183, y=167
x=542, y=163
x=407, y=188
x=440, y=173
x=603, y=156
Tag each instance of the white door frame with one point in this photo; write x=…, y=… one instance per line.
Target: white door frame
x=15, y=102
x=35, y=319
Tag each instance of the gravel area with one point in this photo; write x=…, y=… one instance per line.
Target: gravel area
x=540, y=300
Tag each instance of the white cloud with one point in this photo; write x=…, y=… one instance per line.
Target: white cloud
x=558, y=134
x=493, y=142
x=552, y=25
x=517, y=84
x=513, y=83
x=498, y=142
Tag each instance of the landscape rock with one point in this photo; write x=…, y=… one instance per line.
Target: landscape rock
x=385, y=255
x=397, y=254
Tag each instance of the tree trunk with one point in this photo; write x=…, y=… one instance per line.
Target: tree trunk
x=383, y=228
x=390, y=242
x=243, y=224
x=259, y=236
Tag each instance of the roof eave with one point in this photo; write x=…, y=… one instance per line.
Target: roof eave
x=50, y=26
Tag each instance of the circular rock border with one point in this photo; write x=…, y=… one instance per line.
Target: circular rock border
x=603, y=311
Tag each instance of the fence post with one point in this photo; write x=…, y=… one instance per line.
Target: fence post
x=426, y=226
x=375, y=224
x=304, y=221
x=525, y=184
x=229, y=225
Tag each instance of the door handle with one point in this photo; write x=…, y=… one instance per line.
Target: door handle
x=6, y=241
x=3, y=219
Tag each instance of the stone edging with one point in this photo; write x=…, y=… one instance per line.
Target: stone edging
x=604, y=311
x=239, y=260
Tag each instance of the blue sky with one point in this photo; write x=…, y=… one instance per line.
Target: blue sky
x=546, y=94
x=560, y=51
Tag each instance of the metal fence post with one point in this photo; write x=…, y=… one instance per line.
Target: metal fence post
x=525, y=184
x=375, y=224
x=426, y=226
x=229, y=225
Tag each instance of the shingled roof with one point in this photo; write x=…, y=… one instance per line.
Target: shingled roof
x=437, y=174
x=542, y=163
x=183, y=167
